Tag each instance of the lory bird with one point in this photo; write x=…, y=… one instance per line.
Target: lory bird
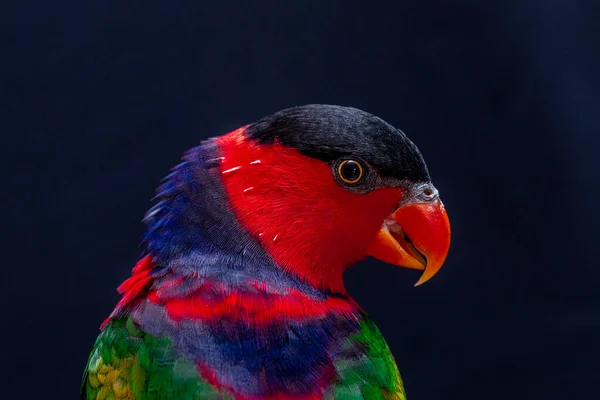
x=239, y=291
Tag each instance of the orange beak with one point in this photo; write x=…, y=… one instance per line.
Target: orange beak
x=416, y=235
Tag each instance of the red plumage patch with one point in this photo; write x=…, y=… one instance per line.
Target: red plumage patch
x=133, y=287
x=214, y=302
x=291, y=203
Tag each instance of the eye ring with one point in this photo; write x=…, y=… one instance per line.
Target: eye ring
x=350, y=171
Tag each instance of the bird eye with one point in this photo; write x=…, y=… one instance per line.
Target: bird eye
x=350, y=171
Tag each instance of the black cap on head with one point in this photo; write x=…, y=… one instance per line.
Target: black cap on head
x=328, y=132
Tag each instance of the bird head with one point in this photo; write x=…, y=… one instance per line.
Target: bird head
x=321, y=187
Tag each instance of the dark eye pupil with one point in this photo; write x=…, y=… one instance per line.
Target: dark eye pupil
x=350, y=170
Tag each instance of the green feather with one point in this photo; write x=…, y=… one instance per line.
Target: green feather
x=129, y=364
x=374, y=376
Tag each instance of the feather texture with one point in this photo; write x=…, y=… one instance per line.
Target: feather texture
x=208, y=313
x=129, y=363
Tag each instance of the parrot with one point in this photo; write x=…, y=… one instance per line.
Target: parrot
x=238, y=292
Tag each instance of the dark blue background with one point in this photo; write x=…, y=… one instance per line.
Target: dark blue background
x=98, y=99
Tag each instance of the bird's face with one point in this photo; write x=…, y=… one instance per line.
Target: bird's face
x=321, y=187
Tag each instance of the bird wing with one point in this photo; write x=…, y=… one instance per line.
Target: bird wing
x=366, y=368
x=130, y=364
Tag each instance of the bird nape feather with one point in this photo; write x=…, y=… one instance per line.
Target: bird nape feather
x=239, y=291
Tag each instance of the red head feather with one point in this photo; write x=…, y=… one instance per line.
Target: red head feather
x=307, y=222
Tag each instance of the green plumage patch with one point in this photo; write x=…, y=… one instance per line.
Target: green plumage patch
x=374, y=376
x=129, y=364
